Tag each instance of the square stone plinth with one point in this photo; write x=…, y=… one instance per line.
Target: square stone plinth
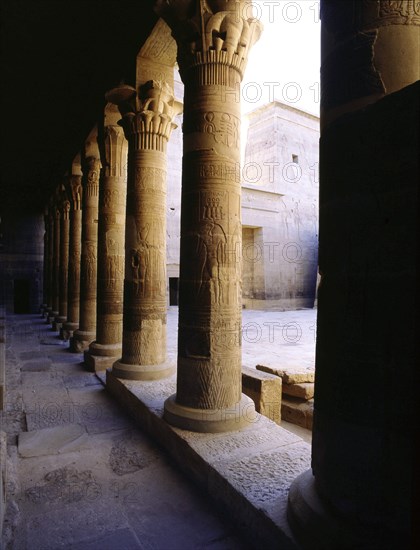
x=292, y=374
x=265, y=390
x=97, y=363
x=248, y=472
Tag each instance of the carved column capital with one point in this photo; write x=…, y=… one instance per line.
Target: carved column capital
x=147, y=115
x=218, y=34
x=91, y=169
x=75, y=191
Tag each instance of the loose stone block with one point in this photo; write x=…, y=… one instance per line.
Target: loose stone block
x=297, y=412
x=292, y=374
x=305, y=390
x=265, y=390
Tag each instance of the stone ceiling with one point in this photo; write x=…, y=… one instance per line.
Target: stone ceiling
x=58, y=58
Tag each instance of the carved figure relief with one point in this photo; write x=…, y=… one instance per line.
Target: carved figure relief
x=90, y=262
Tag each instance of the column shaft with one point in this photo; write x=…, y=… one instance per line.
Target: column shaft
x=56, y=265
x=209, y=390
x=147, y=129
x=107, y=347
x=75, y=243
x=64, y=263
x=358, y=493
x=85, y=334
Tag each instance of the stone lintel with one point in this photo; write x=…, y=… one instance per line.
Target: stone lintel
x=248, y=472
x=265, y=390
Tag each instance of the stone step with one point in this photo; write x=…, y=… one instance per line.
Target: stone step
x=290, y=374
x=248, y=472
x=265, y=390
x=298, y=412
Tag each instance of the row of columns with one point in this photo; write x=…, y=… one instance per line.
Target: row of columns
x=357, y=494
x=107, y=236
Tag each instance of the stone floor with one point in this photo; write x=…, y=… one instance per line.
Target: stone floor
x=82, y=476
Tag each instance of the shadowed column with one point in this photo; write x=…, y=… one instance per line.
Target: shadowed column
x=358, y=493
x=212, y=53
x=56, y=262
x=75, y=242
x=64, y=260
x=107, y=347
x=86, y=332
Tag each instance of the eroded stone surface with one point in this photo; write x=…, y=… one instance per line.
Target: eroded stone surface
x=290, y=374
x=303, y=391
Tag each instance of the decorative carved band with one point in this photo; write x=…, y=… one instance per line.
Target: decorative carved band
x=91, y=170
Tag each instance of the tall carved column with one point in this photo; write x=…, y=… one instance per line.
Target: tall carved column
x=359, y=491
x=64, y=260
x=107, y=347
x=75, y=244
x=147, y=122
x=56, y=262
x=91, y=164
x=212, y=55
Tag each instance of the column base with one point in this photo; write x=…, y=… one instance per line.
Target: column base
x=142, y=372
x=58, y=323
x=81, y=340
x=46, y=312
x=100, y=357
x=51, y=316
x=236, y=417
x=315, y=526
x=67, y=330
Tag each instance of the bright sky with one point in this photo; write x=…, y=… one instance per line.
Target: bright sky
x=287, y=56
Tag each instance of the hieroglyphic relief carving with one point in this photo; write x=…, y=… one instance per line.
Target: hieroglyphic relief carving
x=213, y=39
x=90, y=166
x=147, y=122
x=403, y=12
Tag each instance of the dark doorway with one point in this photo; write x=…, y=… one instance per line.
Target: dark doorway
x=173, y=291
x=21, y=295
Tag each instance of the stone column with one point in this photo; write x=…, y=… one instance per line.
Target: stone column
x=86, y=332
x=64, y=260
x=212, y=55
x=74, y=192
x=46, y=275
x=358, y=494
x=107, y=347
x=56, y=263
x=147, y=122
x=50, y=266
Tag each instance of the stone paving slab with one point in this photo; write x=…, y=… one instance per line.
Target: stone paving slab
x=60, y=439
x=36, y=366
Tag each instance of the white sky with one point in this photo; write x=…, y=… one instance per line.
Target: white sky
x=287, y=54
